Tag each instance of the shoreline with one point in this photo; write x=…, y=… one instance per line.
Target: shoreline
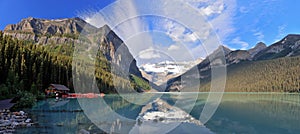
x=222, y=92
x=10, y=121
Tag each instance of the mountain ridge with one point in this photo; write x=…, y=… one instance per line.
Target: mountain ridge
x=44, y=31
x=54, y=26
x=69, y=32
x=287, y=47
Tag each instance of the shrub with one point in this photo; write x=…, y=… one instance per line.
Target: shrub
x=40, y=96
x=27, y=100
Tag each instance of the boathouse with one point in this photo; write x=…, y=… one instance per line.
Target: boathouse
x=56, y=88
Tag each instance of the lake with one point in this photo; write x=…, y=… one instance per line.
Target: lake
x=237, y=113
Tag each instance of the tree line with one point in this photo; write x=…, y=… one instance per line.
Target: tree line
x=26, y=66
x=276, y=75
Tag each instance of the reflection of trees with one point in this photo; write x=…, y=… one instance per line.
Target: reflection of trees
x=63, y=119
x=113, y=112
x=261, y=113
x=275, y=105
x=237, y=113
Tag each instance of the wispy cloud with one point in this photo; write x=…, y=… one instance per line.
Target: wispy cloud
x=198, y=27
x=222, y=25
x=149, y=53
x=173, y=48
x=259, y=35
x=123, y=17
x=241, y=43
x=178, y=32
x=280, y=32
x=244, y=9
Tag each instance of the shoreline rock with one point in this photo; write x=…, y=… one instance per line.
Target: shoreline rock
x=10, y=121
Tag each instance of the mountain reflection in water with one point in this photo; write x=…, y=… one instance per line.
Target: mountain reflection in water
x=237, y=113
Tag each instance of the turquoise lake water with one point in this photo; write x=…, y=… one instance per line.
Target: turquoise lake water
x=273, y=113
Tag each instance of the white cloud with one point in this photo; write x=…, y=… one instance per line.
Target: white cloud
x=179, y=52
x=244, y=45
x=179, y=33
x=259, y=36
x=223, y=24
x=216, y=7
x=139, y=42
x=219, y=18
x=218, y=21
x=208, y=7
x=281, y=32
x=198, y=21
x=173, y=48
x=122, y=17
x=149, y=53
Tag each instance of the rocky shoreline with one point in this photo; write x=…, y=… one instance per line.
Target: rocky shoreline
x=10, y=121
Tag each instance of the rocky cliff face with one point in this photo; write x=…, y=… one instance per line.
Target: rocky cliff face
x=42, y=31
x=259, y=47
x=287, y=47
x=68, y=31
x=237, y=56
x=244, y=55
x=116, y=51
x=214, y=58
x=50, y=27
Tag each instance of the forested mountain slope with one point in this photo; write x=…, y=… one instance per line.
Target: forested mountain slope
x=275, y=68
x=37, y=52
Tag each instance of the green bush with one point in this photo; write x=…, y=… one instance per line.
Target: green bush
x=40, y=96
x=27, y=100
x=4, y=92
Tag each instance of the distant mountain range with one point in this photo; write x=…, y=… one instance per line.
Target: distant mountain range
x=159, y=73
x=274, y=68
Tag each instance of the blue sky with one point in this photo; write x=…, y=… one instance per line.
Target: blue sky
x=12, y=11
x=266, y=21
x=239, y=24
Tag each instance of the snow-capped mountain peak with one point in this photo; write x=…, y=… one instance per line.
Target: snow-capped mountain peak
x=162, y=71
